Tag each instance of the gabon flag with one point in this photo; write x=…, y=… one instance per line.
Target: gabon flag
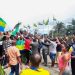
x=2, y=25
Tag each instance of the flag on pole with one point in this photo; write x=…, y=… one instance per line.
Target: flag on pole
x=16, y=28
x=46, y=22
x=2, y=25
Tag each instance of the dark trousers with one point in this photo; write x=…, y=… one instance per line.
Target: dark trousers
x=73, y=66
x=45, y=56
x=14, y=69
x=27, y=55
x=5, y=60
x=39, y=50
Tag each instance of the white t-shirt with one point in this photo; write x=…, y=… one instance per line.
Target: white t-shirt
x=1, y=42
x=52, y=47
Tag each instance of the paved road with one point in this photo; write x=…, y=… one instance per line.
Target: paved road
x=53, y=71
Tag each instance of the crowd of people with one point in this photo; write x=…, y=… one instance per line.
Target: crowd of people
x=28, y=49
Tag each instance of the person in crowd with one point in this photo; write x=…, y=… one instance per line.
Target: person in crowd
x=52, y=51
x=35, y=60
x=6, y=42
x=40, y=43
x=34, y=46
x=14, y=59
x=25, y=34
x=72, y=50
x=20, y=44
x=63, y=61
x=1, y=50
x=59, y=48
x=45, y=49
x=27, y=49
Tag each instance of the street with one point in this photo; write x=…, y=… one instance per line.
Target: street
x=53, y=71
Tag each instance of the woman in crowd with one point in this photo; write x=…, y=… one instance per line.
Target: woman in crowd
x=63, y=62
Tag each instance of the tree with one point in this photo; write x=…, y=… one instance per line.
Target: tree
x=73, y=21
x=73, y=24
x=34, y=25
x=69, y=30
x=59, y=28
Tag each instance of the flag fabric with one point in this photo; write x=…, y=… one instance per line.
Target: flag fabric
x=20, y=44
x=16, y=29
x=45, y=22
x=2, y=25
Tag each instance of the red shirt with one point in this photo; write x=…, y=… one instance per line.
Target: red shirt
x=27, y=44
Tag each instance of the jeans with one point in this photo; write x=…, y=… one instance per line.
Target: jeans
x=14, y=69
x=52, y=56
x=27, y=55
x=45, y=53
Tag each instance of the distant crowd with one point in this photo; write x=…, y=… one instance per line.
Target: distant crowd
x=27, y=49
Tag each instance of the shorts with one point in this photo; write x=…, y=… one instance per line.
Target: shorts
x=52, y=56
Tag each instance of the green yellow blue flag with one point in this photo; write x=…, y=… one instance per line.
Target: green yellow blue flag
x=2, y=25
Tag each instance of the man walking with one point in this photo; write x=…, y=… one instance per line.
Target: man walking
x=52, y=49
x=14, y=59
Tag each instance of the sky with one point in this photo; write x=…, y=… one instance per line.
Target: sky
x=32, y=11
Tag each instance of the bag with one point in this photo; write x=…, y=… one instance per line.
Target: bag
x=67, y=70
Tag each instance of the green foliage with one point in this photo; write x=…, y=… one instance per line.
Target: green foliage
x=34, y=25
x=59, y=29
x=2, y=72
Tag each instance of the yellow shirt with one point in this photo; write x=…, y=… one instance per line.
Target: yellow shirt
x=71, y=49
x=40, y=71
